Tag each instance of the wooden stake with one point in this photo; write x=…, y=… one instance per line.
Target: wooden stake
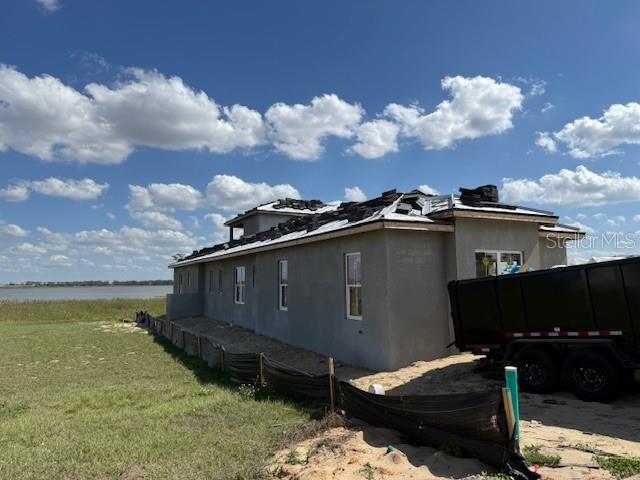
x=332, y=373
x=508, y=410
x=261, y=369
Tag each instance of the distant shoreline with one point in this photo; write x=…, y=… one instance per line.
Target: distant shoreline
x=80, y=285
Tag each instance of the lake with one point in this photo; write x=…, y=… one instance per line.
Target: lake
x=84, y=293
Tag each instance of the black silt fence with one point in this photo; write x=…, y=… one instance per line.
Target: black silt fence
x=296, y=383
x=475, y=422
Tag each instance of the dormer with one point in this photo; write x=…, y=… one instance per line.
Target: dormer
x=268, y=215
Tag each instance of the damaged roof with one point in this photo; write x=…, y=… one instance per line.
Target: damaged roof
x=284, y=206
x=313, y=217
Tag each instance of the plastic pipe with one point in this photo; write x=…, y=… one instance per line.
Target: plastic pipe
x=511, y=378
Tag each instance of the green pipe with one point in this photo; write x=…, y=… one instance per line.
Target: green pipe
x=511, y=377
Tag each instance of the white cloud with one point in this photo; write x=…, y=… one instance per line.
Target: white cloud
x=59, y=261
x=156, y=219
x=428, y=190
x=636, y=218
x=581, y=226
x=49, y=5
x=547, y=106
x=47, y=119
x=85, y=189
x=16, y=192
x=354, y=194
x=228, y=192
x=538, y=87
x=164, y=197
x=573, y=187
x=110, y=216
x=12, y=230
x=298, y=130
x=545, y=142
x=220, y=232
x=596, y=137
x=157, y=111
x=376, y=139
x=480, y=106
x=30, y=248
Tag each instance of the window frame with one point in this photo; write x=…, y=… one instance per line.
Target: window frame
x=352, y=285
x=210, y=281
x=180, y=283
x=282, y=284
x=219, y=281
x=239, y=287
x=497, y=253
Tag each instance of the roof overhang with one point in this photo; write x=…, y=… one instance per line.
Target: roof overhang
x=353, y=230
x=562, y=235
x=486, y=215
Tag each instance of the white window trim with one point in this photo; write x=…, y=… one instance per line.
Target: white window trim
x=281, y=307
x=498, y=253
x=241, y=285
x=347, y=284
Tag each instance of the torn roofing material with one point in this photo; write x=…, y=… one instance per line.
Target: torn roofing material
x=413, y=208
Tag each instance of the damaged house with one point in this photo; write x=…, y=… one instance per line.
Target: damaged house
x=365, y=282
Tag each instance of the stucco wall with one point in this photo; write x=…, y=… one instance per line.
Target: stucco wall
x=552, y=252
x=191, y=279
x=262, y=222
x=481, y=234
x=316, y=314
x=419, y=266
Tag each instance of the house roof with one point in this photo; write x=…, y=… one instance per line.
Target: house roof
x=315, y=220
x=284, y=206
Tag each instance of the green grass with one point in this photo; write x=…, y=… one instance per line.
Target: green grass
x=534, y=456
x=84, y=395
x=619, y=467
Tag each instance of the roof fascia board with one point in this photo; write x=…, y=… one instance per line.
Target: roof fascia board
x=367, y=227
x=512, y=216
x=562, y=235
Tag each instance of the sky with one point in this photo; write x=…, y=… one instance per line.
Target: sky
x=130, y=131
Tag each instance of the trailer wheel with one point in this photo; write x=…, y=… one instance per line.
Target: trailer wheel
x=592, y=376
x=537, y=371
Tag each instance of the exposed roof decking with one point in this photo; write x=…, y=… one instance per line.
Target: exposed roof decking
x=413, y=210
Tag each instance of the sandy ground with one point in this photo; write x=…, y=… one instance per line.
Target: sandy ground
x=560, y=423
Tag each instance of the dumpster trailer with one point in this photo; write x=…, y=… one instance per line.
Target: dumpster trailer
x=577, y=326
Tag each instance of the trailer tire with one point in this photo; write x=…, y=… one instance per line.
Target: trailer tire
x=592, y=376
x=537, y=370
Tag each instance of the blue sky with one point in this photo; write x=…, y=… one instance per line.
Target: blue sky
x=130, y=130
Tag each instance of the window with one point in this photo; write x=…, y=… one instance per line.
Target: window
x=283, y=284
x=492, y=263
x=210, y=281
x=188, y=279
x=239, y=285
x=353, y=277
x=253, y=275
x=219, y=280
x=180, y=282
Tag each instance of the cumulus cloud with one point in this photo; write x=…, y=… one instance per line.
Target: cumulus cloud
x=86, y=189
x=573, y=187
x=228, y=192
x=298, y=130
x=12, y=230
x=428, y=190
x=156, y=219
x=545, y=142
x=43, y=117
x=49, y=5
x=354, y=194
x=30, y=248
x=588, y=137
x=164, y=197
x=479, y=106
x=47, y=119
x=376, y=139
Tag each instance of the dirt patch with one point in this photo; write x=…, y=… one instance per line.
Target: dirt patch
x=561, y=424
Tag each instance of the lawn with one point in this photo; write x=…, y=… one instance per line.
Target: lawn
x=84, y=395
